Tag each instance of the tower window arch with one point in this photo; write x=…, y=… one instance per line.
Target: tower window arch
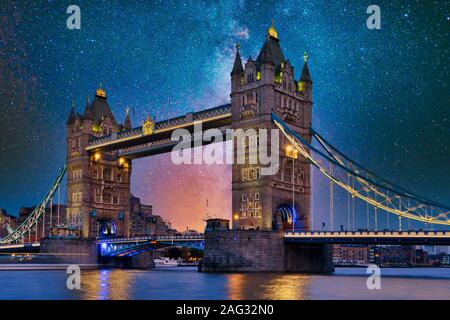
x=107, y=174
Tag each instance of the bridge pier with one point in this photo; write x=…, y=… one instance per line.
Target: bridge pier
x=141, y=261
x=71, y=251
x=262, y=251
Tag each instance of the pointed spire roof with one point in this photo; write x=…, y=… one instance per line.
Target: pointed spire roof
x=305, y=72
x=87, y=110
x=100, y=108
x=271, y=51
x=237, y=67
x=127, y=123
x=71, y=118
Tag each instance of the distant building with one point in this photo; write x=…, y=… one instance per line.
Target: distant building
x=350, y=254
x=54, y=217
x=216, y=224
x=420, y=257
x=394, y=256
x=445, y=260
x=7, y=223
x=189, y=232
x=144, y=223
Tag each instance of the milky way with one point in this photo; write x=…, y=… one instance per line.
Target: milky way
x=382, y=96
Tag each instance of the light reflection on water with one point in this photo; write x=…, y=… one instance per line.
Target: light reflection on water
x=186, y=283
x=268, y=287
x=106, y=284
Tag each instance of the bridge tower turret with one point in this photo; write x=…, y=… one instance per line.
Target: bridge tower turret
x=98, y=185
x=264, y=86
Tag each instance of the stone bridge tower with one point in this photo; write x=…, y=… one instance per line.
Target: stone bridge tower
x=261, y=87
x=98, y=185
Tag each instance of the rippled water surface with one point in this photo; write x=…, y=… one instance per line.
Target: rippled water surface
x=187, y=283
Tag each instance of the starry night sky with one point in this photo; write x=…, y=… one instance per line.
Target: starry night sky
x=382, y=96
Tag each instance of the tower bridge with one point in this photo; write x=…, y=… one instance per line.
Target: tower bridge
x=271, y=215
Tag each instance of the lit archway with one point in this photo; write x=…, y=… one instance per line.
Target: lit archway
x=106, y=228
x=285, y=217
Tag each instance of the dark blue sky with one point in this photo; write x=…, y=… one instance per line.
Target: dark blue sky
x=381, y=96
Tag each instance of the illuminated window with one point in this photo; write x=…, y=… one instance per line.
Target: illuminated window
x=77, y=174
x=77, y=197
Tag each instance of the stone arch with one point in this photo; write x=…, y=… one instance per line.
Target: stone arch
x=106, y=228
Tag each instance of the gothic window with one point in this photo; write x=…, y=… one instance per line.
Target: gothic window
x=115, y=198
x=256, y=196
x=95, y=173
x=77, y=174
x=250, y=174
x=77, y=197
x=244, y=197
x=107, y=197
x=97, y=195
x=288, y=171
x=119, y=177
x=107, y=174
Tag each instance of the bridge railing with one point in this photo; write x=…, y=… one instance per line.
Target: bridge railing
x=195, y=116
x=147, y=238
x=369, y=233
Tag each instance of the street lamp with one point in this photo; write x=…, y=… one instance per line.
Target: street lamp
x=97, y=156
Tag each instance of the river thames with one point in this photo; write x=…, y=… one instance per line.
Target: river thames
x=187, y=284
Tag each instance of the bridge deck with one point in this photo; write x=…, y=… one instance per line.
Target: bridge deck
x=200, y=237
x=132, y=141
x=370, y=237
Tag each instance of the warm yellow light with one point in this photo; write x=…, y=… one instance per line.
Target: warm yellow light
x=236, y=217
x=301, y=86
x=97, y=156
x=121, y=161
x=271, y=32
x=291, y=152
x=96, y=128
x=148, y=126
x=100, y=92
x=258, y=75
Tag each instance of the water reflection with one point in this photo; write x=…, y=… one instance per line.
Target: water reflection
x=268, y=287
x=188, y=284
x=107, y=284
